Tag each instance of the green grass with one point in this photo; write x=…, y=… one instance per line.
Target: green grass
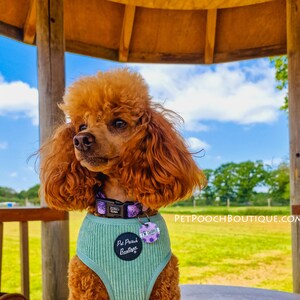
x=246, y=254
x=221, y=210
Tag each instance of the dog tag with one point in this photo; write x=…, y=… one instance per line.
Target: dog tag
x=149, y=232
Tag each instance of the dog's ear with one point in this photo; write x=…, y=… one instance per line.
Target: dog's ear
x=65, y=184
x=157, y=165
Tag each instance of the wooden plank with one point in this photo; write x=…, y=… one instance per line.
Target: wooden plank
x=126, y=33
x=31, y=214
x=24, y=252
x=30, y=24
x=94, y=22
x=174, y=32
x=51, y=81
x=293, y=44
x=196, y=58
x=157, y=57
x=91, y=50
x=11, y=31
x=238, y=30
x=251, y=53
x=1, y=251
x=190, y=4
x=210, y=37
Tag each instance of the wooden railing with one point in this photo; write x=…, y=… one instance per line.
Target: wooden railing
x=23, y=216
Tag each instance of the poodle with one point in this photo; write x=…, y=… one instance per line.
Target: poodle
x=120, y=158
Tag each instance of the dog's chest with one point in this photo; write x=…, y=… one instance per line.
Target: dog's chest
x=113, y=249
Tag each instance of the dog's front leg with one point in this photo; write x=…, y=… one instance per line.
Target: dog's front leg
x=167, y=284
x=84, y=284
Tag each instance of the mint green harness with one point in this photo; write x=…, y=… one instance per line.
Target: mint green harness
x=124, y=280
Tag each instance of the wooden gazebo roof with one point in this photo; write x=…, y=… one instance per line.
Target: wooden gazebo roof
x=191, y=31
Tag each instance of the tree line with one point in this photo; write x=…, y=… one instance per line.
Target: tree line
x=10, y=195
x=245, y=183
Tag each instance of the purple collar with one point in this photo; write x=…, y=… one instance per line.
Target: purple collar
x=111, y=208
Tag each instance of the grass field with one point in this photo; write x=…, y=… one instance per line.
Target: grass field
x=250, y=254
x=223, y=210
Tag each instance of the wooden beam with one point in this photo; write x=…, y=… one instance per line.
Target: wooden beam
x=126, y=33
x=51, y=80
x=293, y=44
x=32, y=214
x=197, y=58
x=171, y=58
x=11, y=31
x=251, y=53
x=91, y=50
x=30, y=24
x=24, y=252
x=211, y=23
x=190, y=4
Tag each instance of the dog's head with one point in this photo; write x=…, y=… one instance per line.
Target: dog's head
x=115, y=130
x=107, y=111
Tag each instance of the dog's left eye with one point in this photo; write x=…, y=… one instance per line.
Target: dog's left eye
x=82, y=127
x=119, y=124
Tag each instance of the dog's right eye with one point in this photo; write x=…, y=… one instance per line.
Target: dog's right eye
x=82, y=127
x=118, y=124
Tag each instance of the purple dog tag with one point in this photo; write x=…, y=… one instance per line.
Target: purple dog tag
x=149, y=232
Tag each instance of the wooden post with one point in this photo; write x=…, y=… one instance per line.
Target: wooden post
x=1, y=248
x=293, y=40
x=51, y=77
x=24, y=253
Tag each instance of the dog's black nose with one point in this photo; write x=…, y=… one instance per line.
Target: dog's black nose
x=83, y=141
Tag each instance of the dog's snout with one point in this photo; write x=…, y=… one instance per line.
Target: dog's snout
x=83, y=141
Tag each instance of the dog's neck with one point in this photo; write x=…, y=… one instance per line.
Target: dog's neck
x=113, y=190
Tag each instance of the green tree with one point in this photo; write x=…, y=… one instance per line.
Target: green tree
x=209, y=192
x=224, y=182
x=31, y=194
x=249, y=175
x=279, y=183
x=237, y=181
x=281, y=65
x=7, y=192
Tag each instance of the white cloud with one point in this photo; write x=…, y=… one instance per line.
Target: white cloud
x=196, y=144
x=243, y=93
x=13, y=174
x=3, y=145
x=18, y=99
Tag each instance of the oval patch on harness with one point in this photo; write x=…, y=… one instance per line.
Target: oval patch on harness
x=128, y=246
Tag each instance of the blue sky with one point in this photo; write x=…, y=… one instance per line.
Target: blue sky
x=230, y=110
